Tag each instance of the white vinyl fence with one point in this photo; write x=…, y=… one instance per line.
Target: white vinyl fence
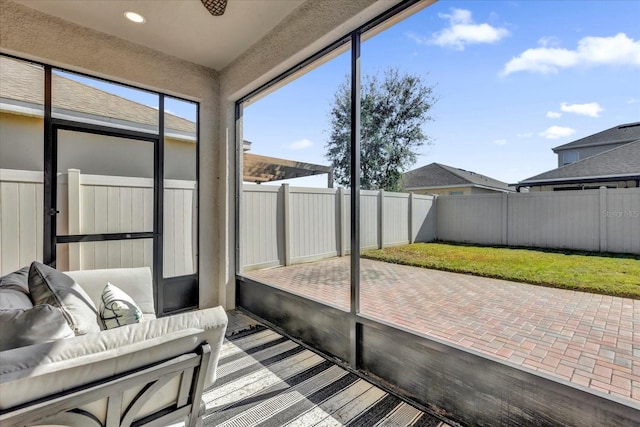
x=606, y=220
x=94, y=204
x=287, y=225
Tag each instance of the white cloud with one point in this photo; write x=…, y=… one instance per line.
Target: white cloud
x=300, y=145
x=555, y=132
x=617, y=50
x=462, y=31
x=549, y=41
x=525, y=135
x=553, y=114
x=501, y=141
x=592, y=109
x=633, y=101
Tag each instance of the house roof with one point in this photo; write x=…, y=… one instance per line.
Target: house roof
x=439, y=175
x=620, y=134
x=618, y=162
x=21, y=85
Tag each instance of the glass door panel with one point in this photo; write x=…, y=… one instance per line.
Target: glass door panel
x=105, y=201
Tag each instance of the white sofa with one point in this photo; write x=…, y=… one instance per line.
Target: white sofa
x=148, y=373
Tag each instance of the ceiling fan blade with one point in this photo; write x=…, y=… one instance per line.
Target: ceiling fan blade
x=215, y=7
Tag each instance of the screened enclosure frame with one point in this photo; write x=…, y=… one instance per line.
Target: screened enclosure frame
x=182, y=290
x=353, y=40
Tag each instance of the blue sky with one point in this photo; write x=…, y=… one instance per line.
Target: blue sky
x=514, y=79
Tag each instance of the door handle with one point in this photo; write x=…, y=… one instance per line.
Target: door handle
x=53, y=212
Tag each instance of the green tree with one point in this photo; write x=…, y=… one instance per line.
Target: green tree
x=393, y=111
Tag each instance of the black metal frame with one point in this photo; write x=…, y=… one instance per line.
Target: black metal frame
x=354, y=38
x=51, y=127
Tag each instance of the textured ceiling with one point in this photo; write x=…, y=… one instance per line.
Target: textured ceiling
x=181, y=28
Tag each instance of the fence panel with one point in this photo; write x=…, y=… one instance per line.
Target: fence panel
x=21, y=204
x=567, y=219
x=113, y=204
x=346, y=221
x=262, y=232
x=395, y=225
x=178, y=232
x=622, y=220
x=369, y=211
x=470, y=219
x=312, y=218
x=423, y=218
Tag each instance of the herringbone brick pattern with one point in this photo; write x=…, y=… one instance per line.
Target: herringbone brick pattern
x=592, y=340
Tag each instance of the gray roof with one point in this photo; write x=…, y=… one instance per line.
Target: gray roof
x=620, y=134
x=620, y=161
x=439, y=175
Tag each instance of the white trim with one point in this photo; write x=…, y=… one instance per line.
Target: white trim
x=37, y=111
x=115, y=181
x=486, y=187
x=22, y=110
x=578, y=178
x=17, y=175
x=176, y=184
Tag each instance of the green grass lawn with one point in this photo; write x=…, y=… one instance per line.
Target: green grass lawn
x=608, y=274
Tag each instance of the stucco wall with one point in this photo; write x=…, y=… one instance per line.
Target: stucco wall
x=34, y=35
x=21, y=142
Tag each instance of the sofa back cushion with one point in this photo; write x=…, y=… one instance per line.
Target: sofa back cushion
x=49, y=286
x=136, y=282
x=38, y=324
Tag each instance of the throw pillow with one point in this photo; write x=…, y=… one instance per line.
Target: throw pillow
x=35, y=325
x=117, y=308
x=49, y=286
x=14, y=290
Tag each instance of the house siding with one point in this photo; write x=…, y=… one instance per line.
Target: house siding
x=585, y=152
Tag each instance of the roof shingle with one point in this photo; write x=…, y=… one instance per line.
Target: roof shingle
x=439, y=175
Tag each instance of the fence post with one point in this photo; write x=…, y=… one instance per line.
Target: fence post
x=340, y=206
x=410, y=209
x=380, y=219
x=603, y=220
x=286, y=224
x=505, y=219
x=73, y=210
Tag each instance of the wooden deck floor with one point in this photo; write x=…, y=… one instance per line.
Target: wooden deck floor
x=264, y=379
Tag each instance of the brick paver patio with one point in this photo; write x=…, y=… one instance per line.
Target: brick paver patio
x=591, y=340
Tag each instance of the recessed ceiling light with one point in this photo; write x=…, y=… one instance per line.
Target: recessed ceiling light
x=134, y=17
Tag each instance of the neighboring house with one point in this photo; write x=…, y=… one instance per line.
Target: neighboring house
x=444, y=180
x=21, y=123
x=610, y=158
x=597, y=143
x=22, y=116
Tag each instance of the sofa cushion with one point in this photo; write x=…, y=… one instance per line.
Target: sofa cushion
x=117, y=308
x=63, y=365
x=49, y=286
x=137, y=282
x=14, y=290
x=35, y=325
